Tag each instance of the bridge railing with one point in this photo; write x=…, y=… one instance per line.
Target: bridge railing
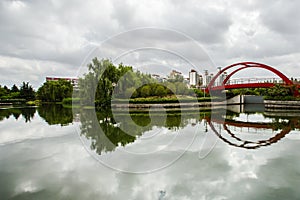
x=253, y=80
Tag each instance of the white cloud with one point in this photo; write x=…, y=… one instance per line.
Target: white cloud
x=63, y=32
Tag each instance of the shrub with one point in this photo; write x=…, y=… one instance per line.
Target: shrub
x=70, y=101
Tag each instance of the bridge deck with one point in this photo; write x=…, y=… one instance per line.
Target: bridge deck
x=243, y=85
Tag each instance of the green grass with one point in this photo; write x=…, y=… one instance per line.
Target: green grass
x=162, y=100
x=279, y=98
x=70, y=101
x=34, y=103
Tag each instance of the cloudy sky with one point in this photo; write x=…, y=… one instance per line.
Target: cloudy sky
x=56, y=38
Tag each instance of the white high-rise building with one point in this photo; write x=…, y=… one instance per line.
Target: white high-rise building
x=193, y=78
x=205, y=78
x=219, y=80
x=200, y=81
x=221, y=77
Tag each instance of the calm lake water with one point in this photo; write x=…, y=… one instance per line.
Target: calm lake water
x=52, y=152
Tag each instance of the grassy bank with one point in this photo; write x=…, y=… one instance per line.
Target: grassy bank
x=70, y=101
x=161, y=100
x=148, y=100
x=12, y=101
x=280, y=98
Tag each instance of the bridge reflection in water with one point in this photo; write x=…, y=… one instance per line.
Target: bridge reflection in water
x=277, y=125
x=251, y=127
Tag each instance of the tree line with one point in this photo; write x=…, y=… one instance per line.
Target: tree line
x=105, y=81
x=278, y=92
x=25, y=91
x=50, y=91
x=55, y=91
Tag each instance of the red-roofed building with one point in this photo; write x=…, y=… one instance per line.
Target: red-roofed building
x=74, y=81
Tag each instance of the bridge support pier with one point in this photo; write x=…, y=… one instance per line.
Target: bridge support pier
x=245, y=99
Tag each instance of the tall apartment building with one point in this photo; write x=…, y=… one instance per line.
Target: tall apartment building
x=193, y=78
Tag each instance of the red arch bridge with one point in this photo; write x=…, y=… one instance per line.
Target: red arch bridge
x=228, y=84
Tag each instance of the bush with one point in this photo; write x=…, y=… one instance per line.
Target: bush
x=70, y=101
x=161, y=100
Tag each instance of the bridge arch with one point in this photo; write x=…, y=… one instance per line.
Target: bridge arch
x=247, y=65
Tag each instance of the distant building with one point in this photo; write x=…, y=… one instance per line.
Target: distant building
x=210, y=77
x=74, y=81
x=175, y=74
x=193, y=78
x=158, y=78
x=200, y=81
x=206, y=78
x=223, y=77
x=186, y=81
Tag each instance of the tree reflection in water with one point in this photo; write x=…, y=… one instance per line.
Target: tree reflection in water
x=26, y=112
x=56, y=114
x=52, y=113
x=105, y=134
x=111, y=134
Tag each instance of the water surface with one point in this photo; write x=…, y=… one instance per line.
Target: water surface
x=52, y=152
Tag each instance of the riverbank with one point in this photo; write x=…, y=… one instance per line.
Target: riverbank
x=163, y=105
x=184, y=103
x=271, y=104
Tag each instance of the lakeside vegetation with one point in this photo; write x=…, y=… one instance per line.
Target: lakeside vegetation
x=115, y=83
x=167, y=99
x=105, y=83
x=107, y=130
x=50, y=92
x=17, y=94
x=55, y=91
x=278, y=92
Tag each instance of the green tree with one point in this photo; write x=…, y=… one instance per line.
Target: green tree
x=280, y=92
x=55, y=91
x=98, y=84
x=14, y=92
x=181, y=88
x=176, y=78
x=160, y=91
x=6, y=89
x=14, y=88
x=131, y=92
x=3, y=92
x=104, y=81
x=198, y=92
x=27, y=92
x=145, y=91
x=171, y=88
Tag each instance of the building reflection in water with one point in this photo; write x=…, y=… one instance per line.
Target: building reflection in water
x=225, y=127
x=112, y=134
x=281, y=124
